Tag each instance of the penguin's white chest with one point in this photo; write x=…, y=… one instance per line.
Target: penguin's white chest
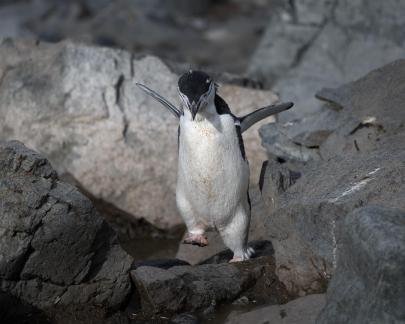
x=212, y=174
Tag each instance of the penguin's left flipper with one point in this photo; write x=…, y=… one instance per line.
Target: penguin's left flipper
x=250, y=119
x=172, y=108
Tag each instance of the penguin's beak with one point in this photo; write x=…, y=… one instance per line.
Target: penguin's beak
x=193, y=109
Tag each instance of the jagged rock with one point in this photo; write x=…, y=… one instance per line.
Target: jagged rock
x=370, y=109
x=299, y=140
x=370, y=263
x=55, y=248
x=280, y=146
x=303, y=310
x=278, y=178
x=308, y=46
x=303, y=219
x=203, y=287
x=352, y=119
x=81, y=107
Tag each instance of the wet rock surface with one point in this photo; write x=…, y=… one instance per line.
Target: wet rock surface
x=370, y=259
x=361, y=163
x=55, y=249
x=302, y=310
x=98, y=129
x=309, y=45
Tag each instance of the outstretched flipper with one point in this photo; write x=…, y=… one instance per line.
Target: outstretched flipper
x=256, y=116
x=172, y=108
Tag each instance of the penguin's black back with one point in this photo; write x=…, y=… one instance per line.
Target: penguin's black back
x=223, y=109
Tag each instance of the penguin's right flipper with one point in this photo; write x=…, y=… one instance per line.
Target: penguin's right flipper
x=256, y=116
x=172, y=108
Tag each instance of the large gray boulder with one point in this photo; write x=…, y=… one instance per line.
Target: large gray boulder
x=369, y=282
x=55, y=248
x=303, y=219
x=361, y=162
x=80, y=106
x=313, y=44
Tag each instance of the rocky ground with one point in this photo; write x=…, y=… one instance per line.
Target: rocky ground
x=89, y=231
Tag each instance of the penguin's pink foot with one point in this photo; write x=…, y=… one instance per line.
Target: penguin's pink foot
x=244, y=256
x=237, y=259
x=196, y=239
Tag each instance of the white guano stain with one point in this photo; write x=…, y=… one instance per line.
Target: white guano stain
x=334, y=243
x=356, y=186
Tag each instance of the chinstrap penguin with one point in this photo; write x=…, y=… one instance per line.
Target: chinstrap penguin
x=213, y=173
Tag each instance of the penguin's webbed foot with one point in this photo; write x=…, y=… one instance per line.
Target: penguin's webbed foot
x=196, y=239
x=236, y=259
x=245, y=256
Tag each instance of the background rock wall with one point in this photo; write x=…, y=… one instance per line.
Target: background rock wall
x=310, y=44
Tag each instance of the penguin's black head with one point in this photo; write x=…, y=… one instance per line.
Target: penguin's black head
x=196, y=89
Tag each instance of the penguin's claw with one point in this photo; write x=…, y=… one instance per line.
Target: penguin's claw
x=196, y=239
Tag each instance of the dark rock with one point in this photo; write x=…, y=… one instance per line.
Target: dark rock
x=13, y=311
x=161, y=290
x=185, y=319
x=55, y=248
x=278, y=178
x=202, y=288
x=161, y=263
x=370, y=264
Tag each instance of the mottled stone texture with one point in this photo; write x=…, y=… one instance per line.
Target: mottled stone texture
x=55, y=248
x=369, y=282
x=313, y=44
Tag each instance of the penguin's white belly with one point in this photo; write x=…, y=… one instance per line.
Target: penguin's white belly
x=212, y=175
